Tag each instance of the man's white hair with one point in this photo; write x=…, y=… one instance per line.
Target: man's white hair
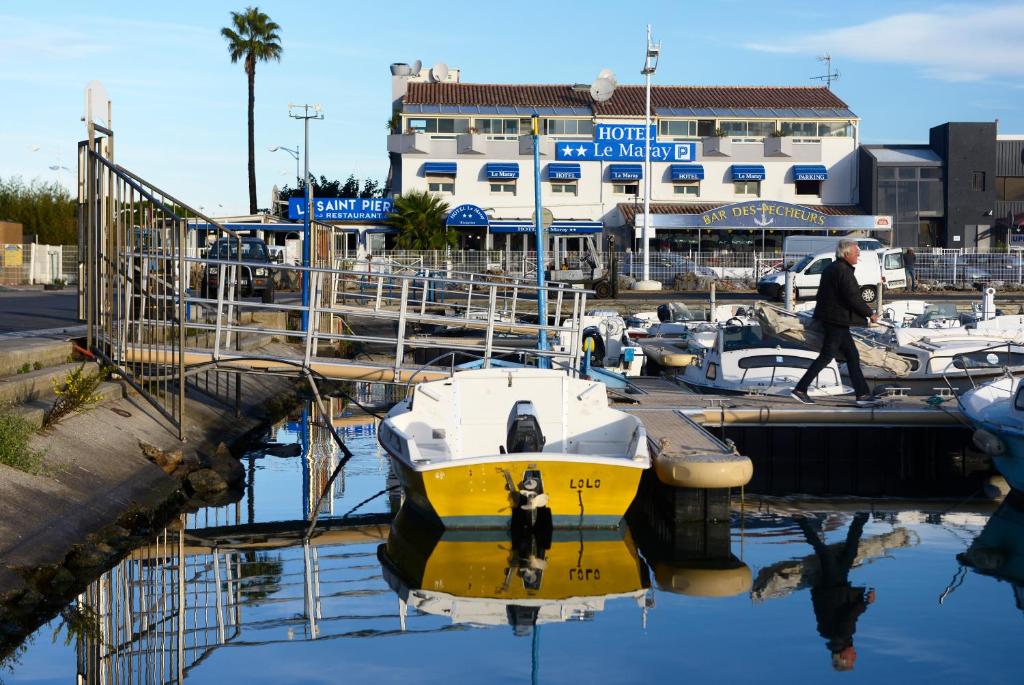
x=845, y=248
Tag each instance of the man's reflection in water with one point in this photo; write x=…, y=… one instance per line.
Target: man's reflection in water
x=837, y=604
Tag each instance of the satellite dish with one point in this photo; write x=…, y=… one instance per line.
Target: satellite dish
x=416, y=67
x=608, y=75
x=439, y=72
x=601, y=89
x=546, y=218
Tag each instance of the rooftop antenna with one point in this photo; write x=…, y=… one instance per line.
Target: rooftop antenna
x=829, y=76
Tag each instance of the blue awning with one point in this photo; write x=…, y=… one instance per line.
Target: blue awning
x=575, y=227
x=748, y=172
x=687, y=172
x=625, y=172
x=511, y=226
x=439, y=168
x=810, y=172
x=566, y=171
x=503, y=170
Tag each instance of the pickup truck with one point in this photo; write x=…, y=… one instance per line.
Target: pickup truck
x=255, y=280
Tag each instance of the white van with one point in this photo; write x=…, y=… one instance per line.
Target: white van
x=887, y=269
x=796, y=246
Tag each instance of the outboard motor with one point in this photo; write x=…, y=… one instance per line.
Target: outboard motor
x=664, y=313
x=524, y=434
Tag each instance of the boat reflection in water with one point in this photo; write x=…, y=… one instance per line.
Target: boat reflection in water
x=485, y=578
x=999, y=550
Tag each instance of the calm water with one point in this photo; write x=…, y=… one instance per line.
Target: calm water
x=752, y=600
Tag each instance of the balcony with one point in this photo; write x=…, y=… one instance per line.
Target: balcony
x=409, y=143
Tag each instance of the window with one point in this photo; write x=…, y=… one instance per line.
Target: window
x=931, y=172
x=893, y=260
x=752, y=188
x=803, y=129
x=497, y=129
x=441, y=184
x=626, y=188
x=712, y=371
x=677, y=129
x=687, y=188
x=1010, y=188
x=438, y=125
x=747, y=129
x=835, y=129
x=818, y=266
x=705, y=127
x=564, y=187
x=568, y=127
x=886, y=173
x=978, y=181
x=768, y=361
x=503, y=187
x=808, y=188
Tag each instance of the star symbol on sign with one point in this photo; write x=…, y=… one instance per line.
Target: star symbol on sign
x=567, y=151
x=581, y=150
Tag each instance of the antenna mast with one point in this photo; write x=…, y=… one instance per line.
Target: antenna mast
x=829, y=76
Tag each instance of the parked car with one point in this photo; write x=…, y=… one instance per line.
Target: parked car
x=255, y=280
x=664, y=266
x=951, y=268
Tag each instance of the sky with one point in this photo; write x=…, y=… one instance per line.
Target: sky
x=179, y=104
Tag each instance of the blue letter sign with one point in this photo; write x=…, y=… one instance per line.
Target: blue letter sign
x=466, y=215
x=624, y=143
x=341, y=208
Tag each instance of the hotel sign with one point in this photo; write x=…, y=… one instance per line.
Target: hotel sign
x=623, y=143
x=341, y=208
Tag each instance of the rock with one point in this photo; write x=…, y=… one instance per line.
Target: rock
x=62, y=581
x=168, y=461
x=227, y=467
x=207, y=482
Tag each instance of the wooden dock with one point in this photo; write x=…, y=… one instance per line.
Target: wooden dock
x=660, y=394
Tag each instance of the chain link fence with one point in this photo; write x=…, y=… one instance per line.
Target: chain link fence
x=33, y=264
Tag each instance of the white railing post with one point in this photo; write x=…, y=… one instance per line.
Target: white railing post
x=400, y=334
x=492, y=301
x=314, y=284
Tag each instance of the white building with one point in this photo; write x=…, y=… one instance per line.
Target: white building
x=471, y=144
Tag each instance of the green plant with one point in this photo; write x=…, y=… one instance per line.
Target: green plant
x=395, y=122
x=721, y=133
x=59, y=282
x=36, y=366
x=76, y=392
x=252, y=37
x=778, y=133
x=15, y=434
x=420, y=219
x=25, y=368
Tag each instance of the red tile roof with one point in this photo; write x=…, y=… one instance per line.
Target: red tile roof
x=629, y=210
x=627, y=100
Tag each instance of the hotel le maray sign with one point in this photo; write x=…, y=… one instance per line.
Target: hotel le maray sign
x=623, y=143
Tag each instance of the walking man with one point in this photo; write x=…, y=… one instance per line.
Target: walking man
x=909, y=262
x=839, y=306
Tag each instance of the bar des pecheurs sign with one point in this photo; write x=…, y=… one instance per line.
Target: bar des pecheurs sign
x=767, y=214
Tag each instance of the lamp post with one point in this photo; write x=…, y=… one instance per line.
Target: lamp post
x=542, y=302
x=650, y=65
x=306, y=112
x=294, y=153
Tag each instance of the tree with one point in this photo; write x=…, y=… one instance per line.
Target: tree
x=420, y=220
x=252, y=38
x=44, y=209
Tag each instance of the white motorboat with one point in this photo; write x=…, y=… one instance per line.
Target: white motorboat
x=743, y=361
x=613, y=348
x=487, y=444
x=996, y=410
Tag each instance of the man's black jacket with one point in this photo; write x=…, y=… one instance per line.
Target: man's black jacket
x=839, y=298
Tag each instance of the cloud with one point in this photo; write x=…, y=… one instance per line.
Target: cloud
x=33, y=40
x=953, y=43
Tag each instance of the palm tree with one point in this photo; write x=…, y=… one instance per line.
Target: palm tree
x=252, y=38
x=420, y=219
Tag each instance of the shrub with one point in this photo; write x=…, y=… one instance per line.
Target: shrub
x=76, y=392
x=15, y=434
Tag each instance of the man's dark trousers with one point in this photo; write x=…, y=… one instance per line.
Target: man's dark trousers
x=837, y=339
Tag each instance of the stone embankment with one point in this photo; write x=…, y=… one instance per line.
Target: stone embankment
x=111, y=478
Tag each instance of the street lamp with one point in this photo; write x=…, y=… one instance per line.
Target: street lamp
x=305, y=113
x=294, y=153
x=650, y=65
x=58, y=166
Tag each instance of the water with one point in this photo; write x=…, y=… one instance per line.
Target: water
x=743, y=600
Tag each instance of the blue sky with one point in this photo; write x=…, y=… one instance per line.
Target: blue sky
x=179, y=104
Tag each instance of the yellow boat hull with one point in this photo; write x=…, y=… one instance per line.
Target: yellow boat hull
x=582, y=494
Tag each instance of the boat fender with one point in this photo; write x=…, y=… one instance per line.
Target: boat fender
x=988, y=443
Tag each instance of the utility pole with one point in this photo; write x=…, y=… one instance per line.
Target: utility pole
x=306, y=112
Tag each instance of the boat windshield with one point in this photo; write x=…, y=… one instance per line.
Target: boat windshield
x=741, y=337
x=944, y=310
x=679, y=312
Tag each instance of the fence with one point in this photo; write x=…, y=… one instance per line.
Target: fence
x=33, y=264
x=940, y=268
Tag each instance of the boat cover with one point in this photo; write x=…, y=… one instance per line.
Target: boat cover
x=805, y=331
